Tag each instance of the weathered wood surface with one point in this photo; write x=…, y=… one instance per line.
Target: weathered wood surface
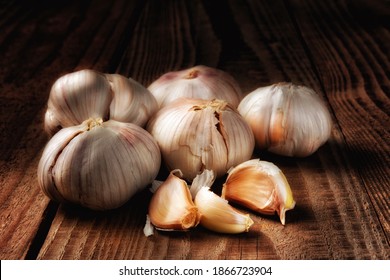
x=340, y=48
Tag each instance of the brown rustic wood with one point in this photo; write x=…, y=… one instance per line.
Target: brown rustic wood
x=341, y=49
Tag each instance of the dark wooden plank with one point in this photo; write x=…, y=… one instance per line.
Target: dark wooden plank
x=349, y=44
x=341, y=191
x=43, y=40
x=258, y=43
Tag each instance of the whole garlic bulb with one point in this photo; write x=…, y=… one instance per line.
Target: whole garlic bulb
x=99, y=165
x=195, y=134
x=84, y=94
x=287, y=119
x=198, y=82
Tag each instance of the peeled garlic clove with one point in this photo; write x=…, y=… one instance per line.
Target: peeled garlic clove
x=287, y=119
x=171, y=206
x=195, y=134
x=84, y=94
x=99, y=165
x=260, y=186
x=198, y=82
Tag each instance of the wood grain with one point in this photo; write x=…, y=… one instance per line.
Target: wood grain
x=41, y=42
x=357, y=90
x=341, y=49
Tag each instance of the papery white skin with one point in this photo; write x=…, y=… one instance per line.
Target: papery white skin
x=99, y=165
x=132, y=102
x=287, y=119
x=199, y=82
x=84, y=94
x=194, y=135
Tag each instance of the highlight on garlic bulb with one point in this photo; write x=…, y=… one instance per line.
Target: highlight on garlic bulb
x=216, y=213
x=198, y=82
x=260, y=186
x=171, y=206
x=84, y=94
x=195, y=134
x=287, y=119
x=99, y=165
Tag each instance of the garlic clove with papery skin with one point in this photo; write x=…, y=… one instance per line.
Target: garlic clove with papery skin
x=260, y=186
x=76, y=97
x=84, y=94
x=131, y=101
x=195, y=134
x=98, y=165
x=287, y=119
x=198, y=82
x=216, y=213
x=171, y=206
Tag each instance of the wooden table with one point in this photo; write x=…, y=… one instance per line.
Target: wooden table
x=339, y=48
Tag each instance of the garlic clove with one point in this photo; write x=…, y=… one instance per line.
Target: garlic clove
x=99, y=165
x=198, y=82
x=287, y=119
x=216, y=214
x=260, y=186
x=171, y=206
x=131, y=102
x=76, y=97
x=84, y=94
x=195, y=134
x=45, y=167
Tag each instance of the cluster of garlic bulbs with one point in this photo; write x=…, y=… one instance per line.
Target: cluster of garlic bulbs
x=98, y=155
x=109, y=136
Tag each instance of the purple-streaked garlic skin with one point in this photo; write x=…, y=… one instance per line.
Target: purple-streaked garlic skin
x=84, y=94
x=98, y=165
x=198, y=82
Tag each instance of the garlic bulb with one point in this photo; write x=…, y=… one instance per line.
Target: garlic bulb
x=194, y=135
x=84, y=94
x=199, y=82
x=260, y=186
x=99, y=165
x=171, y=206
x=287, y=119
